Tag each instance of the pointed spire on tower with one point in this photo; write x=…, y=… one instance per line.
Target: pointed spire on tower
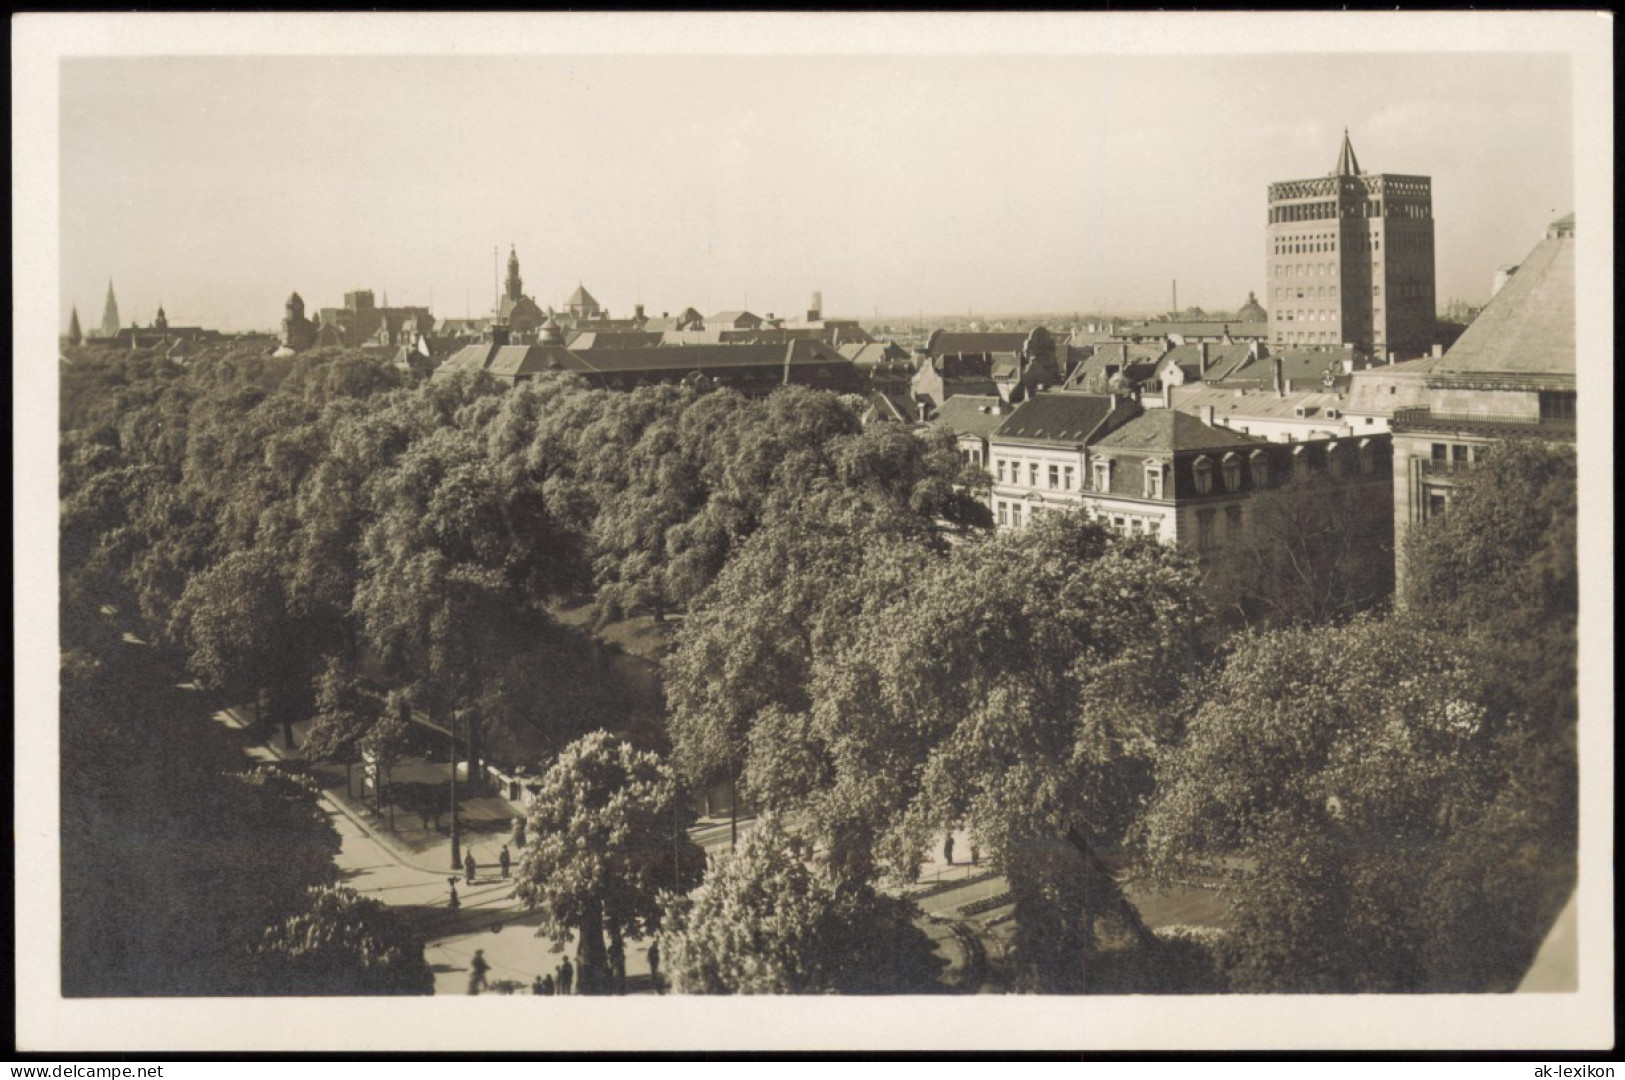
x=1347, y=164
x=516, y=284
x=110, y=320
x=74, y=335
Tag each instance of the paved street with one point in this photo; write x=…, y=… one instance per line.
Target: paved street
x=410, y=868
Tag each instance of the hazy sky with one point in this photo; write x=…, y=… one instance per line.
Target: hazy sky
x=897, y=183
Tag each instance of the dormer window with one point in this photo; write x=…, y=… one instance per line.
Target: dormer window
x=1153, y=479
x=1368, y=457
x=1232, y=472
x=1300, y=462
x=1261, y=468
x=1203, y=471
x=1103, y=474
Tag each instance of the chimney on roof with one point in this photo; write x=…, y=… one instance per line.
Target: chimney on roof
x=1201, y=350
x=1438, y=349
x=1207, y=415
x=1390, y=357
x=1289, y=386
x=1280, y=389
x=1122, y=352
x=637, y=311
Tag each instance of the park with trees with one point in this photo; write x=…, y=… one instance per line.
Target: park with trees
x=1384, y=783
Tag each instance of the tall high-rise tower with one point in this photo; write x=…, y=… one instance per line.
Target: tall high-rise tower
x=110, y=323
x=1350, y=259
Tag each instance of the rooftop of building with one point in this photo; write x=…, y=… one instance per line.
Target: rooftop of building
x=1528, y=327
x=1059, y=416
x=1257, y=404
x=961, y=342
x=973, y=414
x=1171, y=430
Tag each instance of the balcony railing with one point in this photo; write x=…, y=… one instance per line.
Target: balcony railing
x=1445, y=468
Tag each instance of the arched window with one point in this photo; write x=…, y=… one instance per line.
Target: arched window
x=1261, y=468
x=1202, y=469
x=1232, y=471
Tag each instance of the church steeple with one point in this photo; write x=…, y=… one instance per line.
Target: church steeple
x=1347, y=164
x=515, y=283
x=110, y=320
x=74, y=336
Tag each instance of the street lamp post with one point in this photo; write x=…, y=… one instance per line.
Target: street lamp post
x=456, y=846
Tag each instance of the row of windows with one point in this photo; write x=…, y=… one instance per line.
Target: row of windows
x=1302, y=245
x=1061, y=478
x=1307, y=337
x=1128, y=525
x=1299, y=315
x=1306, y=270
x=1321, y=292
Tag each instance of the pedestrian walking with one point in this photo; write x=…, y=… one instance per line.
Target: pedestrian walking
x=547, y=985
x=566, y=977
x=538, y=988
x=504, y=859
x=454, y=903
x=468, y=866
x=975, y=853
x=947, y=850
x=654, y=964
x=477, y=968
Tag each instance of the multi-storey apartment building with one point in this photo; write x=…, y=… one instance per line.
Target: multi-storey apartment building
x=1350, y=260
x=1161, y=473
x=1038, y=455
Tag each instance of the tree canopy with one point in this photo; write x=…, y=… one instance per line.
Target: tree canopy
x=607, y=835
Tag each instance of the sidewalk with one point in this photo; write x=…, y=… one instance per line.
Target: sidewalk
x=485, y=822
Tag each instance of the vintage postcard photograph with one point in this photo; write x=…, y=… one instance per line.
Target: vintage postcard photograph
x=813, y=532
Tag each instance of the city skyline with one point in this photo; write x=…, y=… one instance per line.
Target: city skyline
x=895, y=185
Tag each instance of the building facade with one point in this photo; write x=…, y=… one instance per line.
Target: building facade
x=1511, y=375
x=1350, y=260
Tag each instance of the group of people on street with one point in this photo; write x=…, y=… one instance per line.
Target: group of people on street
x=479, y=968
x=546, y=985
x=471, y=868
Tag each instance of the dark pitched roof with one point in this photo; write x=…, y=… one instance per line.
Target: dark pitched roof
x=1221, y=359
x=1059, y=417
x=948, y=342
x=973, y=414
x=1172, y=430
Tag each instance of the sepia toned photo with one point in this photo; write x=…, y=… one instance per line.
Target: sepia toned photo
x=906, y=532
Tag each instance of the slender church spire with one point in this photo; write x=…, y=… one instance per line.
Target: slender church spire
x=1347, y=164
x=110, y=320
x=74, y=335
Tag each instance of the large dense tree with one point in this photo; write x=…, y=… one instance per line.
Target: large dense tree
x=1365, y=772
x=608, y=835
x=1316, y=549
x=1024, y=692
x=882, y=692
x=337, y=942
x=766, y=922
x=1500, y=568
